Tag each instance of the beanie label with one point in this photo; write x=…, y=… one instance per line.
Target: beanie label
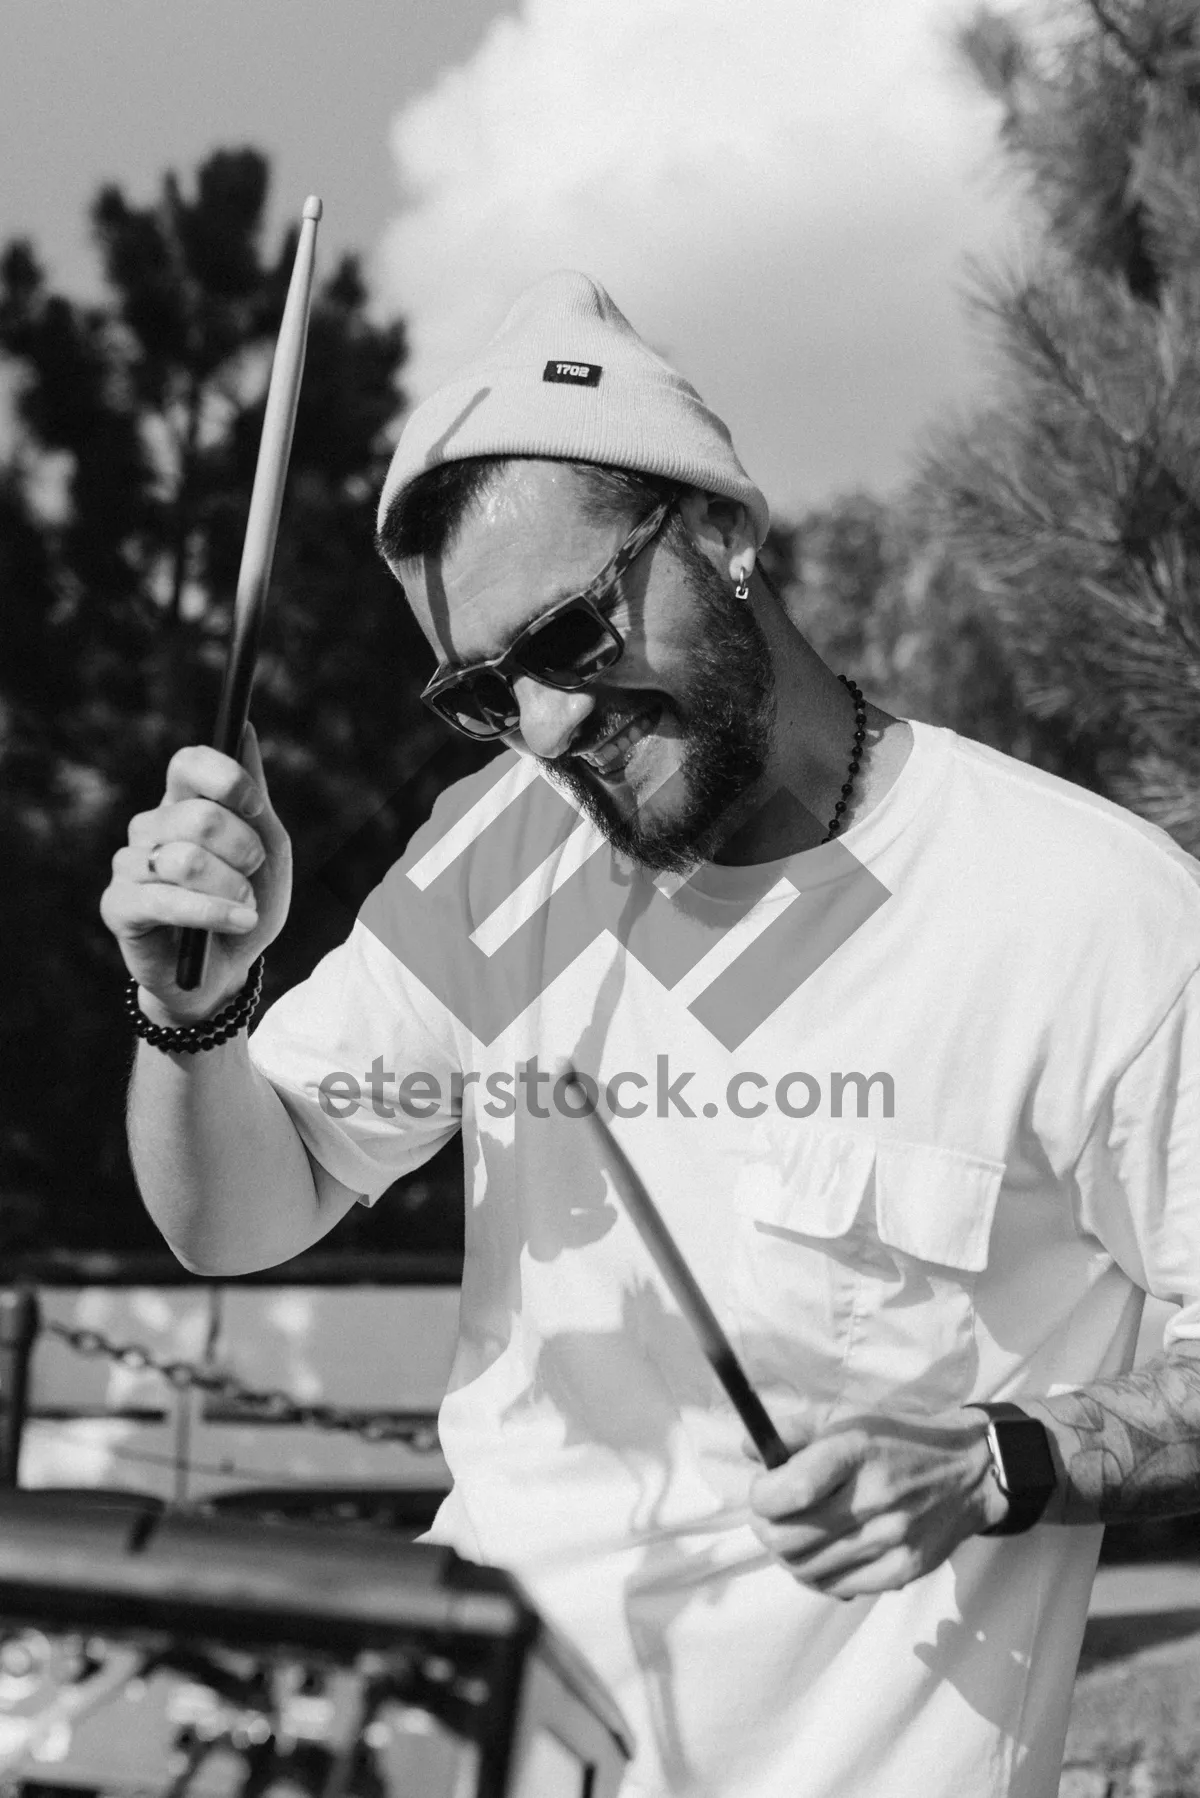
x=575, y=374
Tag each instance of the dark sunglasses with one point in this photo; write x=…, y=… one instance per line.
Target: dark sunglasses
x=566, y=647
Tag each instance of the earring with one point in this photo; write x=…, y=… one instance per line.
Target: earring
x=742, y=590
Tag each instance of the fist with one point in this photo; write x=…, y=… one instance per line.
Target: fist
x=213, y=855
x=877, y=1501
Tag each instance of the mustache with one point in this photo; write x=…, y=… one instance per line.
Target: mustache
x=592, y=732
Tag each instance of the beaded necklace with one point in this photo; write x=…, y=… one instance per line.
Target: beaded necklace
x=860, y=732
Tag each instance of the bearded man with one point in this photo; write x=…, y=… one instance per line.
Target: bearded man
x=902, y=1035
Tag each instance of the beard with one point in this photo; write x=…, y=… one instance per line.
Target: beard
x=725, y=713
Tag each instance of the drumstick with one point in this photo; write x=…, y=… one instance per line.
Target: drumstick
x=262, y=526
x=718, y=1349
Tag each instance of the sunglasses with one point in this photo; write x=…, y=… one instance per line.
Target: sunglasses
x=566, y=647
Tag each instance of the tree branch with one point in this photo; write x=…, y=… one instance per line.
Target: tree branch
x=1111, y=28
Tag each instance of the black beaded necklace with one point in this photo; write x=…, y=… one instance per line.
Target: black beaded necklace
x=860, y=733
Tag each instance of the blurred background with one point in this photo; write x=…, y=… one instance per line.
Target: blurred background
x=938, y=266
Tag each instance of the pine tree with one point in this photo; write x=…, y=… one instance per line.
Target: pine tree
x=872, y=588
x=1071, y=505
x=122, y=512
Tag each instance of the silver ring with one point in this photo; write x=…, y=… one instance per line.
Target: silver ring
x=150, y=864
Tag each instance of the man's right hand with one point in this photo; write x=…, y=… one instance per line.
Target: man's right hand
x=212, y=855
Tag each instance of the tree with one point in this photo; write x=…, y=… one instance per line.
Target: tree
x=122, y=510
x=1071, y=505
x=873, y=589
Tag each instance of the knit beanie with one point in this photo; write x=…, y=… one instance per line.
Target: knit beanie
x=567, y=376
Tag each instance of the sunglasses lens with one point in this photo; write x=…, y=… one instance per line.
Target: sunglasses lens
x=571, y=647
x=480, y=704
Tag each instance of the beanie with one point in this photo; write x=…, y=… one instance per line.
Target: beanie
x=567, y=376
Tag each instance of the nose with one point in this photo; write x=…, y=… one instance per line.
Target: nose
x=549, y=716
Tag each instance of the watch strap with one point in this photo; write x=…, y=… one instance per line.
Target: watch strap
x=1022, y=1463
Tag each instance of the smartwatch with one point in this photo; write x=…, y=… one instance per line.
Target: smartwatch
x=1022, y=1463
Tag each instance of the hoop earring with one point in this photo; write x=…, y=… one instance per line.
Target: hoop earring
x=742, y=590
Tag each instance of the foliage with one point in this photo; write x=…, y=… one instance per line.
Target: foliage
x=1071, y=506
x=876, y=592
x=122, y=510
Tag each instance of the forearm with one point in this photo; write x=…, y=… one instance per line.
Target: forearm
x=1127, y=1447
x=218, y=1161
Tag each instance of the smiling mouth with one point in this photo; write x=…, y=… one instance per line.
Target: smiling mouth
x=608, y=757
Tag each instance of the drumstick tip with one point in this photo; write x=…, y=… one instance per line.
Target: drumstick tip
x=312, y=207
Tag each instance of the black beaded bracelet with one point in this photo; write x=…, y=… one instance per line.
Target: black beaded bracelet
x=186, y=1039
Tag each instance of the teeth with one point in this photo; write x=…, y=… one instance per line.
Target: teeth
x=610, y=755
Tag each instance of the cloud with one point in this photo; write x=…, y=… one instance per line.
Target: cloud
x=778, y=193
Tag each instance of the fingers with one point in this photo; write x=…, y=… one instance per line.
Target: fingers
x=838, y=1538
x=873, y=1505
x=844, y=1555
x=132, y=910
x=812, y=1474
x=887, y=1572
x=266, y=822
x=188, y=863
x=804, y=1512
x=184, y=864
x=212, y=856
x=198, y=771
x=196, y=823
x=250, y=756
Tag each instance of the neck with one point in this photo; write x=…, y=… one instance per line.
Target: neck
x=790, y=808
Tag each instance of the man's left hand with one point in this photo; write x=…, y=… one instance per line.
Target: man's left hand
x=877, y=1501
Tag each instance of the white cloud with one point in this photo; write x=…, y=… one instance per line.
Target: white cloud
x=778, y=193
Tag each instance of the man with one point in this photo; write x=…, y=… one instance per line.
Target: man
x=902, y=1035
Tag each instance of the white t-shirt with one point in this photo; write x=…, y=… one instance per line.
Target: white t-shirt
x=970, y=1027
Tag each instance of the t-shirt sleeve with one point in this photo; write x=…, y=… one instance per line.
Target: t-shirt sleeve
x=365, y=1061
x=1140, y=1173
x=367, y=1055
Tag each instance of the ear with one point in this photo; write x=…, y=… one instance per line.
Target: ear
x=723, y=529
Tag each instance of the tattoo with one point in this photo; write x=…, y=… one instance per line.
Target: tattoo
x=1129, y=1447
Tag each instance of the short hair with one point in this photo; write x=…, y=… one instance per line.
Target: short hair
x=425, y=515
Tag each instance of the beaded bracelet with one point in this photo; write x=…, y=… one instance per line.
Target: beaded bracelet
x=186, y=1039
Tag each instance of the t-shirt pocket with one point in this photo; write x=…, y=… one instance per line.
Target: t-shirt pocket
x=852, y=1285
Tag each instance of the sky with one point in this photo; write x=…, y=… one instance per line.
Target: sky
x=120, y=90
x=780, y=194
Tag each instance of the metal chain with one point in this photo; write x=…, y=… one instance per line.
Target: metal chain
x=415, y=1431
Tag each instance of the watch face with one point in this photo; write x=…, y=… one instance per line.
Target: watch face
x=1024, y=1464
